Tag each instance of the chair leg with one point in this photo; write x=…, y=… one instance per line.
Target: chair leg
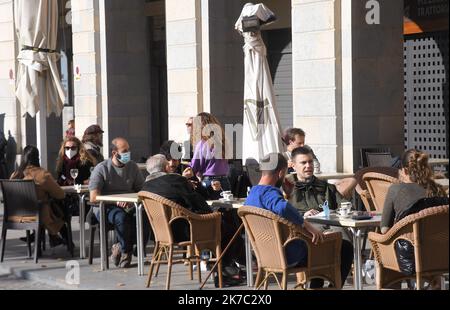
x=37, y=243
x=91, y=243
x=43, y=238
x=69, y=238
x=199, y=268
x=162, y=252
x=188, y=256
x=152, y=263
x=284, y=281
x=219, y=267
x=3, y=242
x=28, y=243
x=258, y=277
x=266, y=279
x=169, y=267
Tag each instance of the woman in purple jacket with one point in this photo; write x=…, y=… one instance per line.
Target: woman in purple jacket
x=209, y=162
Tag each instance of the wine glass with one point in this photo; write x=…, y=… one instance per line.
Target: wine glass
x=74, y=174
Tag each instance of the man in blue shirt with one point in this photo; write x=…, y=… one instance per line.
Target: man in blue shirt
x=267, y=195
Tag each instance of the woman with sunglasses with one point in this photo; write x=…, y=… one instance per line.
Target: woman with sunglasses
x=73, y=155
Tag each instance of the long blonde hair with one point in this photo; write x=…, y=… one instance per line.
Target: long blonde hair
x=415, y=164
x=202, y=121
x=84, y=155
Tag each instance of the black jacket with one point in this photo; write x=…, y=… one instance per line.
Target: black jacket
x=177, y=189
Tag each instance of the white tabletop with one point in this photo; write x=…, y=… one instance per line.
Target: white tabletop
x=443, y=182
x=70, y=189
x=129, y=197
x=438, y=161
x=237, y=203
x=336, y=220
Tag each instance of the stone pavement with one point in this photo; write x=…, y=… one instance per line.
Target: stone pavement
x=19, y=272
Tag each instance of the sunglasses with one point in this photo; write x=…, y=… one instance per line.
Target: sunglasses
x=188, y=124
x=73, y=148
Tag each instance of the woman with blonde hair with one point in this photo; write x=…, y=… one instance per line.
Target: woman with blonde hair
x=73, y=155
x=209, y=161
x=417, y=181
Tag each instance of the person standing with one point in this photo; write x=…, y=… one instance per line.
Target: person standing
x=209, y=163
x=92, y=139
x=70, y=132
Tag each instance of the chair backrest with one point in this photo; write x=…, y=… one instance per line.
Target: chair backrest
x=267, y=233
x=159, y=215
x=253, y=172
x=383, y=159
x=365, y=151
x=162, y=212
x=420, y=205
x=428, y=231
x=361, y=187
x=378, y=185
x=19, y=198
x=431, y=227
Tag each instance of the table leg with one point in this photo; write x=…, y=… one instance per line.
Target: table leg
x=82, y=210
x=103, y=250
x=140, y=239
x=248, y=260
x=357, y=257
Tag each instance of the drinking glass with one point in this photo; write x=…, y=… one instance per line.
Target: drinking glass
x=74, y=174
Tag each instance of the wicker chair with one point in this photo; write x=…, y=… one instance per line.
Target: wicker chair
x=204, y=234
x=378, y=185
x=361, y=187
x=269, y=234
x=21, y=202
x=427, y=231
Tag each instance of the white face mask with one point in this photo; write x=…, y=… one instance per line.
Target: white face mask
x=70, y=153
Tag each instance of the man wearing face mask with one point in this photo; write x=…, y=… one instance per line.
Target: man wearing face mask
x=92, y=139
x=118, y=175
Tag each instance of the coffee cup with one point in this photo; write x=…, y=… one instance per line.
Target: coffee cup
x=227, y=195
x=345, y=209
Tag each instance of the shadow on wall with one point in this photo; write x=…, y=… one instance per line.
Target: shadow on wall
x=8, y=151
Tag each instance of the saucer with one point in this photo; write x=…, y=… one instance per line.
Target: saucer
x=227, y=200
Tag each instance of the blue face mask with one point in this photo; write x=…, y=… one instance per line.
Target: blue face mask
x=124, y=157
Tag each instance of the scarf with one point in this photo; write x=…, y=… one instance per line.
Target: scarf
x=70, y=163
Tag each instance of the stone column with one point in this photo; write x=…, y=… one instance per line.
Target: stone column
x=86, y=57
x=316, y=57
x=184, y=63
x=10, y=115
x=377, y=92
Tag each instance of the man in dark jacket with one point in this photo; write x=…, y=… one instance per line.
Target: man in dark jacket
x=307, y=193
x=178, y=189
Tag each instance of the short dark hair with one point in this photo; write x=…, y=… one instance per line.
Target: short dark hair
x=301, y=150
x=273, y=163
x=290, y=133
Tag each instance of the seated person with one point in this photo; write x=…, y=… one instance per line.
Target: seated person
x=306, y=193
x=119, y=175
x=417, y=182
x=177, y=189
x=267, y=195
x=46, y=188
x=73, y=155
x=172, y=151
x=294, y=138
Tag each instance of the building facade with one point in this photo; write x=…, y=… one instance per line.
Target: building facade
x=141, y=68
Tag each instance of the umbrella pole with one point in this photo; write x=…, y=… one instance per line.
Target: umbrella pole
x=41, y=127
x=222, y=254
